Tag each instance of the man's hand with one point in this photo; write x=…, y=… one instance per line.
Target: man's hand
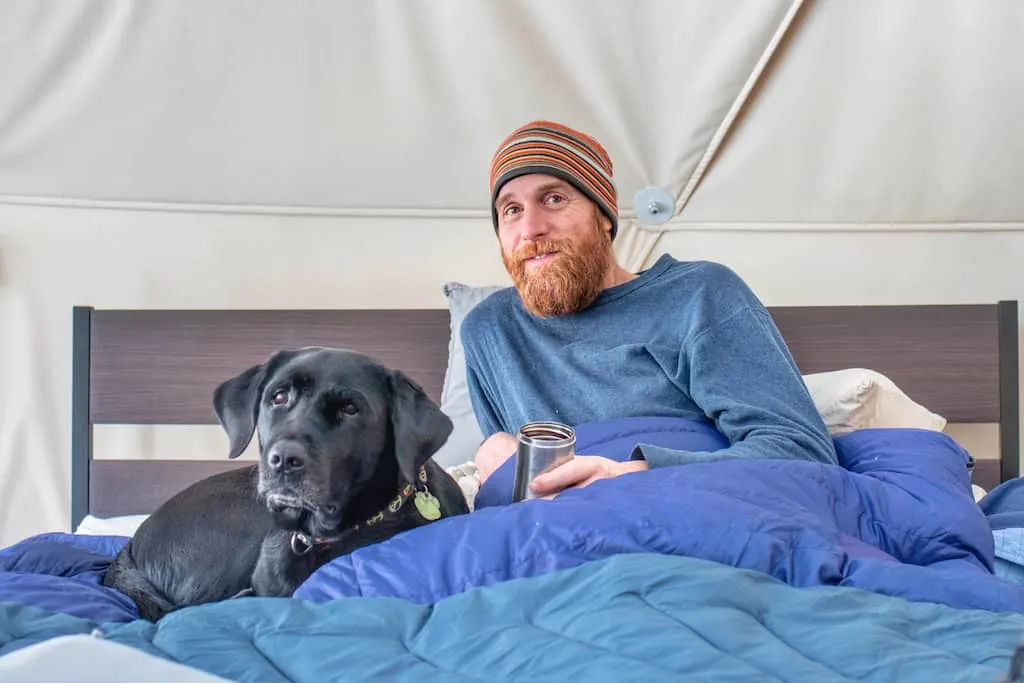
x=494, y=451
x=581, y=471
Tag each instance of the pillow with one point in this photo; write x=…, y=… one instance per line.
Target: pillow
x=95, y=659
x=122, y=525
x=466, y=436
x=848, y=399
x=858, y=398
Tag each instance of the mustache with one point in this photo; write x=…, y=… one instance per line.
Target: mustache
x=532, y=249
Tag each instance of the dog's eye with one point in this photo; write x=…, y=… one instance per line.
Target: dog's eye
x=348, y=409
x=280, y=397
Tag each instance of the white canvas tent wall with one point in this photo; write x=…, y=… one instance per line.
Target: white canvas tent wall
x=334, y=154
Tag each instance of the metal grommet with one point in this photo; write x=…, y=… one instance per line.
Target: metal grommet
x=654, y=205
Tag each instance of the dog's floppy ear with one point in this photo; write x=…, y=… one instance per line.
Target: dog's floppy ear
x=236, y=404
x=236, y=401
x=420, y=427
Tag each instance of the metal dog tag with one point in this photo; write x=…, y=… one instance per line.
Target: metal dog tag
x=427, y=505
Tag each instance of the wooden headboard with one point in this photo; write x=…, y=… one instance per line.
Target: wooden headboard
x=161, y=366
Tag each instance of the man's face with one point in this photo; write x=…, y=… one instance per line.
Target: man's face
x=555, y=244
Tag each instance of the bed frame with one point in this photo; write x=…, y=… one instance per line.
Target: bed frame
x=146, y=367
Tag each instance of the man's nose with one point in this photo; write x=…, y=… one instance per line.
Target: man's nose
x=534, y=224
x=285, y=457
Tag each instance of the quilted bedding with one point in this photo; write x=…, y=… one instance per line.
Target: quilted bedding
x=637, y=617
x=880, y=569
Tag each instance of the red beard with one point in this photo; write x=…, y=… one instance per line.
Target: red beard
x=571, y=281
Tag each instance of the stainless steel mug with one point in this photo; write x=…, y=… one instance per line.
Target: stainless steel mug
x=541, y=446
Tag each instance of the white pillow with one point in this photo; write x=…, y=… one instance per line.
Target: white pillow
x=93, y=659
x=859, y=398
x=122, y=525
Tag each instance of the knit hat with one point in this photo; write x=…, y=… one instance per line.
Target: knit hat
x=555, y=149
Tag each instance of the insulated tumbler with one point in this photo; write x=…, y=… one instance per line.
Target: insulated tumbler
x=541, y=447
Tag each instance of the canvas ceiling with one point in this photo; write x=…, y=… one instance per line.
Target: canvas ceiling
x=871, y=111
x=141, y=139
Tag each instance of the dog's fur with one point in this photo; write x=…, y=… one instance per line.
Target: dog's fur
x=347, y=436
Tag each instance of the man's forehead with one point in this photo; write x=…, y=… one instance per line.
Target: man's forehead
x=531, y=184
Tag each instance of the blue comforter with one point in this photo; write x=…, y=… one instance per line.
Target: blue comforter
x=719, y=567
x=898, y=518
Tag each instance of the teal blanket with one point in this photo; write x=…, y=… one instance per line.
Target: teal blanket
x=636, y=617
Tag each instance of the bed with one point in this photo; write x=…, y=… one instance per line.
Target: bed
x=880, y=569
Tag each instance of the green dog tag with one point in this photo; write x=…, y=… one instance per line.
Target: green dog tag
x=427, y=505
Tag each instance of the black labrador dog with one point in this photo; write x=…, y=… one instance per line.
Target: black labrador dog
x=345, y=448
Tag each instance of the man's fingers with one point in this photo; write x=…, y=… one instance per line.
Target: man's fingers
x=565, y=475
x=581, y=471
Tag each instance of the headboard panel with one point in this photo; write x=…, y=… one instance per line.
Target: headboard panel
x=944, y=357
x=131, y=487
x=161, y=367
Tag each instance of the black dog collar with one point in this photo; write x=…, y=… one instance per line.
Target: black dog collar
x=426, y=504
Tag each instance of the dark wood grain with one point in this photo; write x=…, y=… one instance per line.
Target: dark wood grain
x=944, y=357
x=1009, y=390
x=137, y=487
x=161, y=367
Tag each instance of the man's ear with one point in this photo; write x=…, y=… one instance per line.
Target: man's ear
x=236, y=403
x=420, y=427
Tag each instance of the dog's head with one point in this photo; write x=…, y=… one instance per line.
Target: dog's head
x=338, y=434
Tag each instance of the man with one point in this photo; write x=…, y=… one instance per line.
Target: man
x=579, y=338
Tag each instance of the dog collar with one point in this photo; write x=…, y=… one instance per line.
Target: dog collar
x=426, y=504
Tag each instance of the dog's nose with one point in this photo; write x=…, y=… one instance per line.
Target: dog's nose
x=286, y=457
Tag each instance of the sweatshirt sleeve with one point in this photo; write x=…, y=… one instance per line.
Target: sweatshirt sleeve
x=741, y=374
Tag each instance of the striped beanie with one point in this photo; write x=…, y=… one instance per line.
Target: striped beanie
x=554, y=149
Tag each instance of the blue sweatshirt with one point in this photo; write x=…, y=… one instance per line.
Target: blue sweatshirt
x=687, y=339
